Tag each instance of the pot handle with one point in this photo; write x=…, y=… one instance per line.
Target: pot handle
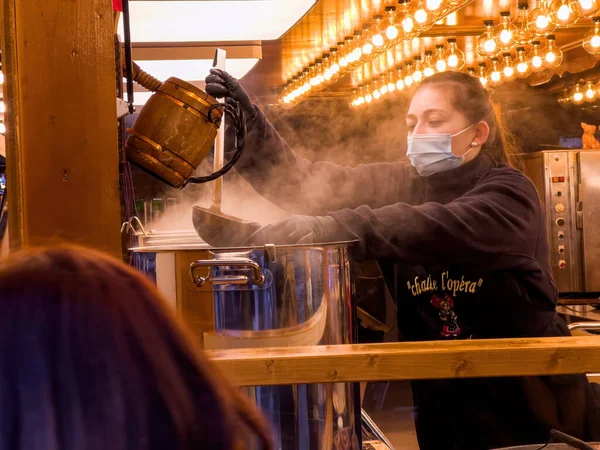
x=258, y=278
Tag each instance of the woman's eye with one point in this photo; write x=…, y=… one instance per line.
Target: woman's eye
x=435, y=123
x=410, y=127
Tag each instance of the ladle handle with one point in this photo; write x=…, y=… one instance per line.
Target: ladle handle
x=258, y=277
x=219, y=156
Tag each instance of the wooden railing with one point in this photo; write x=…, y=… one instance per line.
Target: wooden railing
x=410, y=360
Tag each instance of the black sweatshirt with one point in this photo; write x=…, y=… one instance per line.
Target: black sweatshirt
x=471, y=260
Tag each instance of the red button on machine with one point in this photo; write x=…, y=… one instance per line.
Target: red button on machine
x=558, y=179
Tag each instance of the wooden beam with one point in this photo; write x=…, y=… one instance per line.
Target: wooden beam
x=410, y=361
x=62, y=152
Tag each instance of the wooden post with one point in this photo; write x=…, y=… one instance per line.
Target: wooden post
x=62, y=152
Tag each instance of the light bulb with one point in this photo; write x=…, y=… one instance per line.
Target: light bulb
x=483, y=79
x=376, y=94
x=377, y=38
x=589, y=7
x=388, y=28
x=428, y=66
x=2, y=106
x=597, y=87
x=506, y=32
x=407, y=21
x=495, y=73
x=391, y=87
x=433, y=5
x=590, y=92
x=1, y=78
x=367, y=48
x=522, y=66
x=553, y=56
x=541, y=19
x=440, y=61
x=417, y=74
x=577, y=96
x=507, y=67
x=591, y=39
x=2, y=128
x=524, y=34
x=421, y=16
x=488, y=44
x=535, y=57
x=455, y=57
x=399, y=81
x=565, y=12
x=368, y=98
x=408, y=71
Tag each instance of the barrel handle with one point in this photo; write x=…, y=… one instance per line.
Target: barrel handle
x=258, y=278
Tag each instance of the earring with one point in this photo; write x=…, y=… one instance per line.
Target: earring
x=474, y=144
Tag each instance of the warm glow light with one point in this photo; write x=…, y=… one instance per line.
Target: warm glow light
x=563, y=12
x=550, y=57
x=2, y=128
x=440, y=65
x=399, y=85
x=433, y=5
x=578, y=96
x=522, y=67
x=506, y=36
x=483, y=81
x=391, y=87
x=590, y=93
x=595, y=41
x=2, y=106
x=417, y=76
x=453, y=60
x=367, y=48
x=489, y=46
x=496, y=76
x=408, y=24
x=376, y=94
x=194, y=69
x=343, y=61
x=378, y=40
x=542, y=22
x=536, y=61
x=202, y=21
x=421, y=16
x=391, y=32
x=1, y=78
x=428, y=71
x=368, y=98
x=508, y=72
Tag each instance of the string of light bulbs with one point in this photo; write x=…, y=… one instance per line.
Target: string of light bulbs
x=511, y=49
x=580, y=93
x=397, y=23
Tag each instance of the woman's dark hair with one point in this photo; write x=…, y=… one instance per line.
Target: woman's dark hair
x=472, y=100
x=92, y=358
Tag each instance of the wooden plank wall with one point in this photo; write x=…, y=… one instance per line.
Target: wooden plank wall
x=62, y=153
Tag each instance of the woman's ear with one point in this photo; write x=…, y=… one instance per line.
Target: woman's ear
x=482, y=132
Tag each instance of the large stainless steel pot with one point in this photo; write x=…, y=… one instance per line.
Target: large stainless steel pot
x=270, y=296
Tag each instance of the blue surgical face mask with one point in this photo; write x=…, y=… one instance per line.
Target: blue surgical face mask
x=432, y=153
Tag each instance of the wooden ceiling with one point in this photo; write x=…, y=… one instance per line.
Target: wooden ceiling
x=331, y=20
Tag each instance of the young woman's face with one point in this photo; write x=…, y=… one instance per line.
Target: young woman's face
x=431, y=112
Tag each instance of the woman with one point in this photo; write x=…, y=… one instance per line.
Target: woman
x=465, y=234
x=91, y=358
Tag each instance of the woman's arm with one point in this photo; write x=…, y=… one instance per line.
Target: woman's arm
x=302, y=187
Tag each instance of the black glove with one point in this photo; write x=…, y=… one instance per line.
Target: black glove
x=220, y=84
x=297, y=230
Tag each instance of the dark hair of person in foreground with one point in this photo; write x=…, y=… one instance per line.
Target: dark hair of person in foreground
x=92, y=358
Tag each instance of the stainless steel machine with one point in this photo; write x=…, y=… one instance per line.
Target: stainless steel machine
x=568, y=182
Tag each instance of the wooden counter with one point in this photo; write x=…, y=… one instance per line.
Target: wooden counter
x=410, y=360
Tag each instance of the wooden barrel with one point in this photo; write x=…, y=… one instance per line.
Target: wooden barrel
x=174, y=131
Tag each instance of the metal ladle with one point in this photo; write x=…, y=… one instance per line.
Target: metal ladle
x=213, y=225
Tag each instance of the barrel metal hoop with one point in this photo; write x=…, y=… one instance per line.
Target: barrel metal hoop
x=178, y=102
x=191, y=94
x=160, y=148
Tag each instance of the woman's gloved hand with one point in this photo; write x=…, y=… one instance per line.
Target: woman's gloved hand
x=296, y=230
x=220, y=84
